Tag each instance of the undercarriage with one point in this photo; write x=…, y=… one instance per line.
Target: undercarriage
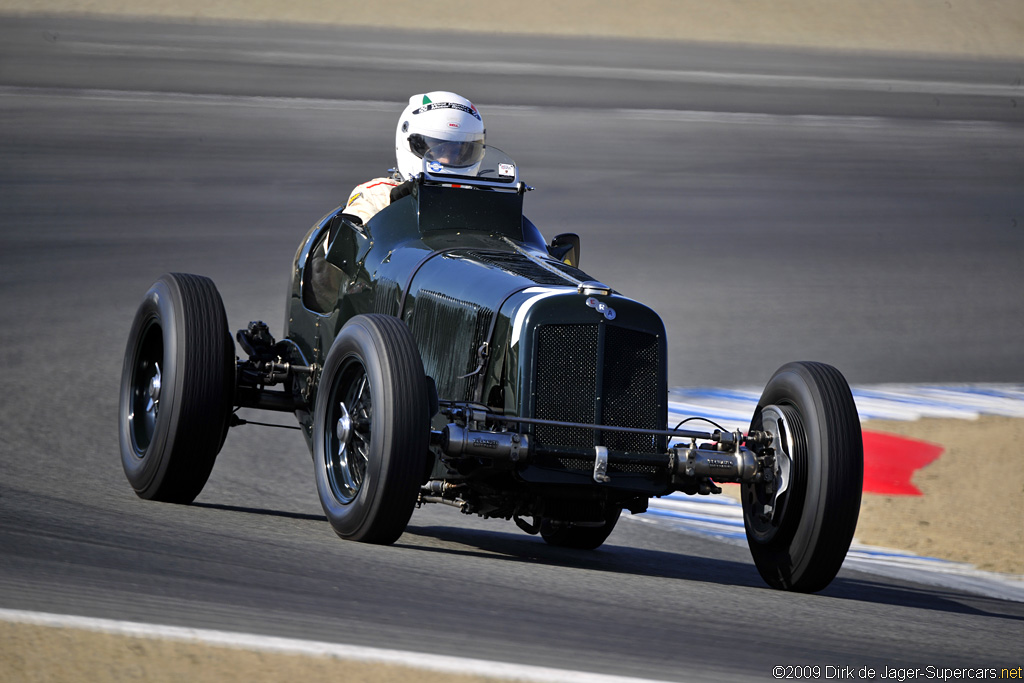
x=478, y=455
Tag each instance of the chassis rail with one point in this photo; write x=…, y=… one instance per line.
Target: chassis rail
x=474, y=431
x=730, y=457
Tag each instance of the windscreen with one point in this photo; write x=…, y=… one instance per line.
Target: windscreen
x=494, y=166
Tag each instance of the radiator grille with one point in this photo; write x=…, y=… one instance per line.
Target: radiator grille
x=630, y=389
x=570, y=372
x=566, y=383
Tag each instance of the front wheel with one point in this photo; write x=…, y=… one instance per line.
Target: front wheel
x=800, y=526
x=371, y=429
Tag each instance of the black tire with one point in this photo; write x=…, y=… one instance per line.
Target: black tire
x=569, y=535
x=371, y=429
x=177, y=389
x=803, y=544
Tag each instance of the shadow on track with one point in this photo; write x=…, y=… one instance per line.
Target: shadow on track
x=661, y=564
x=503, y=546
x=923, y=597
x=261, y=511
x=497, y=545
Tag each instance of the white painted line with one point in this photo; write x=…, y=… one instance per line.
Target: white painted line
x=248, y=641
x=665, y=115
x=159, y=97
x=511, y=68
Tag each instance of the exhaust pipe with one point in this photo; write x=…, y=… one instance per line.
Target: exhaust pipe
x=459, y=441
x=739, y=465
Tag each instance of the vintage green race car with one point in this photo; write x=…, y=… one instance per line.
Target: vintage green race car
x=445, y=353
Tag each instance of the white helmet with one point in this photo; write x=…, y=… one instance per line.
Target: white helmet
x=445, y=128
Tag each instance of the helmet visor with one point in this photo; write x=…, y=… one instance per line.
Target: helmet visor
x=452, y=153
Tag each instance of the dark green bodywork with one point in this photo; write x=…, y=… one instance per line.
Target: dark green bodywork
x=462, y=267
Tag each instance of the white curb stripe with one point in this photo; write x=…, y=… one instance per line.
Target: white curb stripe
x=513, y=68
x=247, y=641
x=732, y=408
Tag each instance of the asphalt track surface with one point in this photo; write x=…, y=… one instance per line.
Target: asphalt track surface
x=772, y=205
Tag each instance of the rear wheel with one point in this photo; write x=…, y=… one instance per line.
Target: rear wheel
x=799, y=527
x=580, y=536
x=177, y=387
x=371, y=429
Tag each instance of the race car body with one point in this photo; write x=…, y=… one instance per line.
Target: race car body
x=444, y=352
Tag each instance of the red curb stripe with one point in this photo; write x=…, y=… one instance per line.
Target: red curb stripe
x=890, y=461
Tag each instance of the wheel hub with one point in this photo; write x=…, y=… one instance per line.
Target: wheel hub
x=347, y=433
x=774, y=422
x=343, y=429
x=154, y=391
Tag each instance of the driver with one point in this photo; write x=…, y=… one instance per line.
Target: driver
x=440, y=127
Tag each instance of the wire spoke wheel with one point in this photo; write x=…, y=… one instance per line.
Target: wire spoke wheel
x=371, y=429
x=351, y=413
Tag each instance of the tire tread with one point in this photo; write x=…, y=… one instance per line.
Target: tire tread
x=409, y=395
x=205, y=385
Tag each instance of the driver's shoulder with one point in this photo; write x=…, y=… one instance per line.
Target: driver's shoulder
x=376, y=185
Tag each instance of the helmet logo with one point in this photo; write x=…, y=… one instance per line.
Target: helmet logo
x=458, y=106
x=453, y=124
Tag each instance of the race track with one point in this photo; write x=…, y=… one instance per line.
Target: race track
x=771, y=205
